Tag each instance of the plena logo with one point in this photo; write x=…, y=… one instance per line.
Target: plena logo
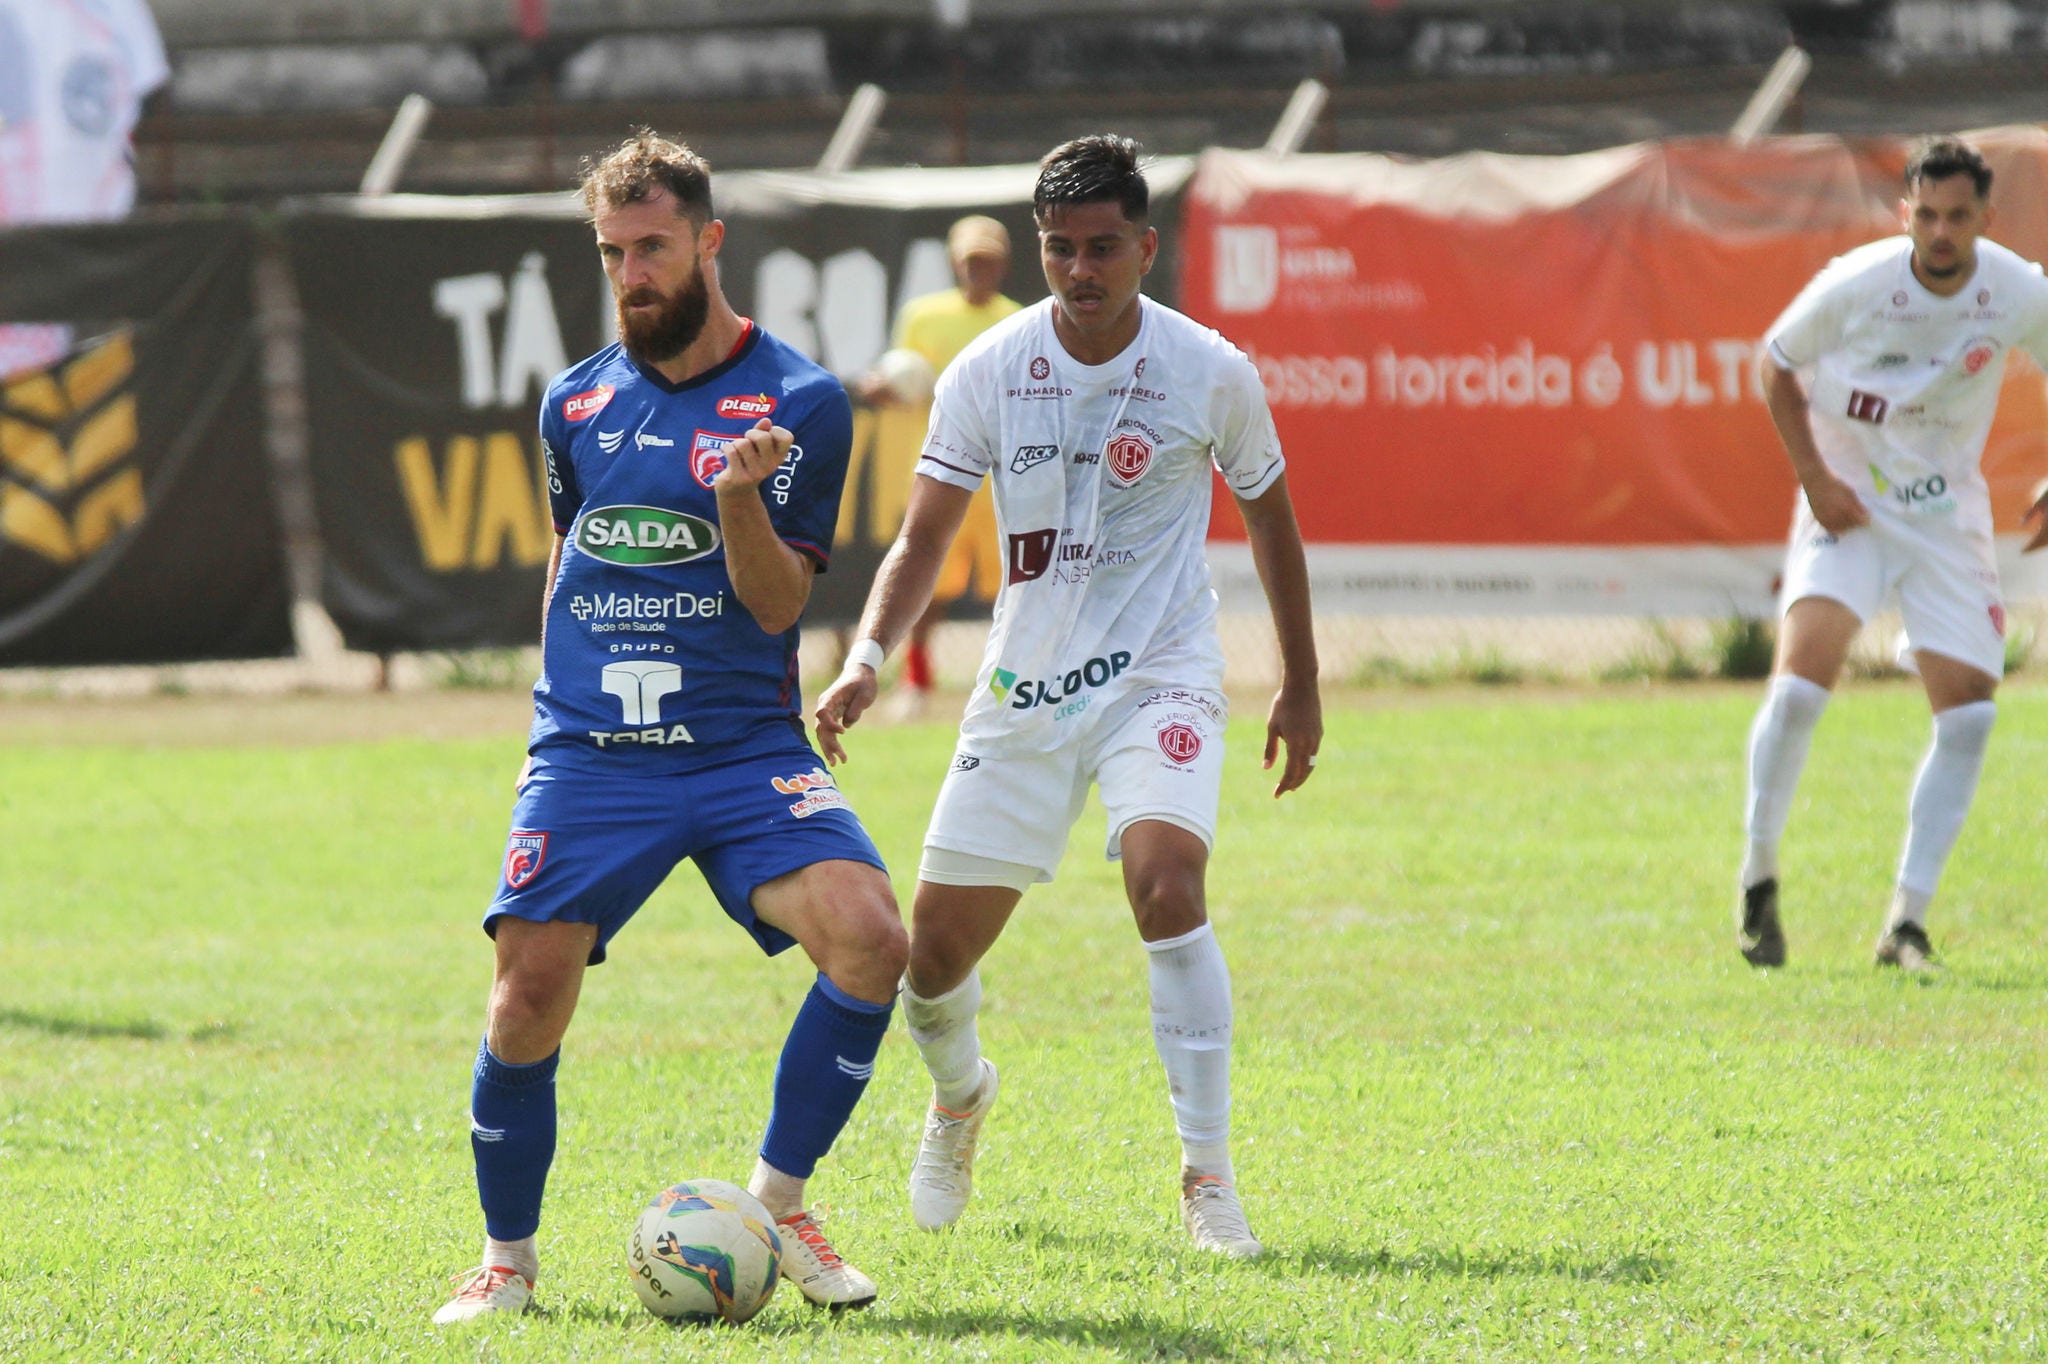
x=746, y=406
x=588, y=403
x=644, y=535
x=1028, y=693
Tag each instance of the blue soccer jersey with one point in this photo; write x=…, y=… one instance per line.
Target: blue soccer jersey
x=651, y=663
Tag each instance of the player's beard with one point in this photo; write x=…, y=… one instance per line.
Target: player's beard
x=666, y=331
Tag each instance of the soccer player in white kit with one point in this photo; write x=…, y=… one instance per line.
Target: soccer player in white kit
x=1097, y=414
x=1882, y=378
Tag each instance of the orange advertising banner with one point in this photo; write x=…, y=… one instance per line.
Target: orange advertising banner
x=1499, y=351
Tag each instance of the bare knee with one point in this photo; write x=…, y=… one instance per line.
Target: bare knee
x=533, y=998
x=1167, y=901
x=863, y=949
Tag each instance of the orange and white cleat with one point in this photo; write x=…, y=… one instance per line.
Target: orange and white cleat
x=809, y=1262
x=1215, y=1219
x=491, y=1288
x=942, y=1177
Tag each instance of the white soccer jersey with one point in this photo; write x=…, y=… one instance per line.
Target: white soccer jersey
x=1902, y=384
x=73, y=75
x=1101, y=481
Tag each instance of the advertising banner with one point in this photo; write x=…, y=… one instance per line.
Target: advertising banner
x=428, y=344
x=433, y=324
x=1528, y=383
x=136, y=522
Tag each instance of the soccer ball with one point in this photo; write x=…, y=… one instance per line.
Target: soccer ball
x=704, y=1250
x=908, y=374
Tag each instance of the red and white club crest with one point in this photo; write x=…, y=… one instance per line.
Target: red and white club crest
x=1998, y=619
x=1182, y=743
x=524, y=853
x=1040, y=367
x=707, y=455
x=1139, y=372
x=1128, y=456
x=1977, y=357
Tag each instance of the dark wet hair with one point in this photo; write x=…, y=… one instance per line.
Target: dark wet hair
x=1102, y=168
x=1937, y=158
x=640, y=167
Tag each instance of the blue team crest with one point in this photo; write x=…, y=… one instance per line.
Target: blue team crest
x=524, y=853
x=707, y=455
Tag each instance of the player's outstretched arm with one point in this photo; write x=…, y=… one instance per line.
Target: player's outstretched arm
x=903, y=588
x=771, y=580
x=1296, y=716
x=1835, y=504
x=2037, y=516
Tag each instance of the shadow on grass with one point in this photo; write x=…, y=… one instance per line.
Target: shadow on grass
x=1134, y=1336
x=1457, y=1263
x=1137, y=1336
x=100, y=1029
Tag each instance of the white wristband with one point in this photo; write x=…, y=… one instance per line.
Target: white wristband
x=866, y=652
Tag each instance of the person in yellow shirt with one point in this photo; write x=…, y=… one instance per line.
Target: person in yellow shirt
x=938, y=327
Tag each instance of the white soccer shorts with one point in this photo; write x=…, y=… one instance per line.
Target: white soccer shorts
x=1153, y=755
x=1946, y=580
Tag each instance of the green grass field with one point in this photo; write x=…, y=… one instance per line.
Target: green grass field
x=1504, y=1089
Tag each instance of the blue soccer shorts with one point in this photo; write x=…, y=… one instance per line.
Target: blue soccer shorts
x=590, y=847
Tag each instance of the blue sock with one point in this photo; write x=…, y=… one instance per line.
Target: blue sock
x=823, y=1072
x=512, y=1133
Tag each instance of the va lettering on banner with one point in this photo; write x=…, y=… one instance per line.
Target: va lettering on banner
x=482, y=497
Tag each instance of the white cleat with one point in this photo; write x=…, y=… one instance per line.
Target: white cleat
x=493, y=1288
x=942, y=1179
x=1215, y=1219
x=809, y=1262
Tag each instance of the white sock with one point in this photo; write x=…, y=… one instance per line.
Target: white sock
x=1941, y=798
x=1777, y=752
x=1908, y=907
x=522, y=1255
x=781, y=1194
x=944, y=1031
x=1191, y=1021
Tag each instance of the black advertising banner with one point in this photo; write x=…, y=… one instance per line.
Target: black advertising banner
x=428, y=344
x=432, y=325
x=136, y=523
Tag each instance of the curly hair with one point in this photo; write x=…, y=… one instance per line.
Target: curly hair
x=640, y=167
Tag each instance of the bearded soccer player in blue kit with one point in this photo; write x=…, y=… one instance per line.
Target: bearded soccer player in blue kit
x=694, y=471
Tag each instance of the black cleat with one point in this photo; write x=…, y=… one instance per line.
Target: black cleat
x=1907, y=948
x=1762, y=941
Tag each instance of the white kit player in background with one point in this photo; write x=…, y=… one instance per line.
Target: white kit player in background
x=1882, y=378
x=73, y=75
x=1097, y=414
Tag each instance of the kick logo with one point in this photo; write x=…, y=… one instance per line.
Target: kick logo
x=524, y=853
